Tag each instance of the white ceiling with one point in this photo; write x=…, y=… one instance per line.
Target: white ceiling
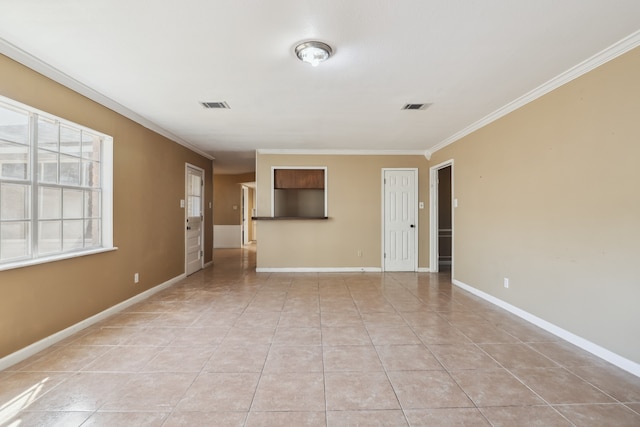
x=158, y=59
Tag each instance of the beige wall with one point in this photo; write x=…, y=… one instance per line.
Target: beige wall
x=149, y=171
x=549, y=196
x=354, y=203
x=227, y=195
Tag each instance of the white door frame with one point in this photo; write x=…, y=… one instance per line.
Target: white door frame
x=245, y=215
x=188, y=166
x=433, y=216
x=417, y=228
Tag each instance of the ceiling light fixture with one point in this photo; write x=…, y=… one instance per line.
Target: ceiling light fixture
x=313, y=52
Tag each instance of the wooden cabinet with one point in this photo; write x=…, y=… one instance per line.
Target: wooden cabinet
x=298, y=179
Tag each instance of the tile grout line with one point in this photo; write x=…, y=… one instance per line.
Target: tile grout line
x=527, y=386
x=324, y=371
x=384, y=369
x=384, y=289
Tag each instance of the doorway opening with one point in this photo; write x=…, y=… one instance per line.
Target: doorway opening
x=441, y=214
x=248, y=212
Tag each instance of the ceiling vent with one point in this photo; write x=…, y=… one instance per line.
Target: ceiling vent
x=209, y=105
x=416, y=106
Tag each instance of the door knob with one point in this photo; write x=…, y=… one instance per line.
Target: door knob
x=188, y=228
x=412, y=226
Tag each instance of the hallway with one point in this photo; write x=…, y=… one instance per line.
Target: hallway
x=231, y=347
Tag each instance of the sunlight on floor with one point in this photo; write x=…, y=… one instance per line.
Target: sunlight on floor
x=19, y=403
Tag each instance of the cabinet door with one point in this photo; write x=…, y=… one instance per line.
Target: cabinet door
x=298, y=178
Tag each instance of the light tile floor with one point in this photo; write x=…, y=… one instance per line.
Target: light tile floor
x=232, y=347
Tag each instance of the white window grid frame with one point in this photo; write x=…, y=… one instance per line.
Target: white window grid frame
x=105, y=189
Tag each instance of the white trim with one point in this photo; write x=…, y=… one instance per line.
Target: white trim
x=424, y=270
x=611, y=357
x=338, y=152
x=108, y=173
x=12, y=51
x=433, y=214
x=619, y=48
x=382, y=222
x=319, y=270
x=106, y=187
x=57, y=257
x=44, y=343
x=245, y=214
x=416, y=214
x=188, y=166
x=211, y=208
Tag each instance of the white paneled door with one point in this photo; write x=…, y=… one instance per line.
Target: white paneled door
x=194, y=219
x=400, y=220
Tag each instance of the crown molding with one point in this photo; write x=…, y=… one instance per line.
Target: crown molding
x=14, y=52
x=619, y=48
x=342, y=152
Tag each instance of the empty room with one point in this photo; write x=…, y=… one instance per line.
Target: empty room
x=304, y=213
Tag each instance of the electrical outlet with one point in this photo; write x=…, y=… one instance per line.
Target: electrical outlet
x=359, y=252
x=506, y=282
x=136, y=278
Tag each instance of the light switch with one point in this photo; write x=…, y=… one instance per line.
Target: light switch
x=182, y=203
x=455, y=203
x=421, y=205
x=235, y=207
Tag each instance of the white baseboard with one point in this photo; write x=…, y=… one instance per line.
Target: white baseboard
x=328, y=270
x=318, y=270
x=611, y=357
x=38, y=346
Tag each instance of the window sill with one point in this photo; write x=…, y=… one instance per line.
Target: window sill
x=58, y=257
x=286, y=218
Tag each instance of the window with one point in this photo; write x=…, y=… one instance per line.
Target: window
x=55, y=187
x=299, y=192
